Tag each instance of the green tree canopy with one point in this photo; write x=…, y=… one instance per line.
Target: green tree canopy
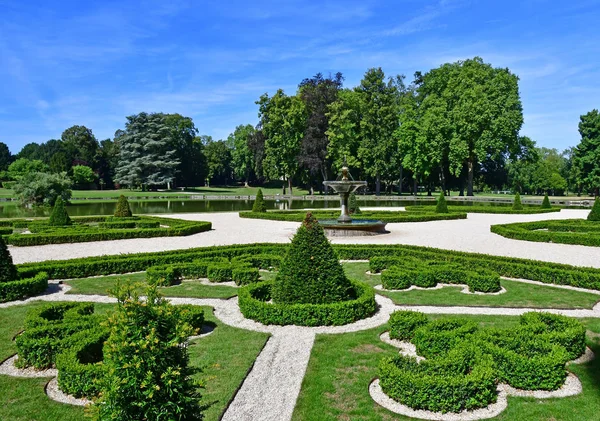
x=218, y=162
x=6, y=157
x=41, y=188
x=241, y=153
x=81, y=144
x=22, y=167
x=83, y=175
x=587, y=153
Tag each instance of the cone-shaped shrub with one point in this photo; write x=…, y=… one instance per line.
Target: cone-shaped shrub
x=259, y=203
x=517, y=205
x=595, y=212
x=8, y=272
x=123, y=210
x=311, y=272
x=59, y=215
x=442, y=206
x=353, y=204
x=546, y=202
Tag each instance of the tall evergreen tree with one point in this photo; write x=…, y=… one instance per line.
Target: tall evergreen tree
x=587, y=153
x=6, y=157
x=8, y=271
x=147, y=156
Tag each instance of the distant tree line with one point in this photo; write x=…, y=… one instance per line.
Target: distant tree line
x=456, y=127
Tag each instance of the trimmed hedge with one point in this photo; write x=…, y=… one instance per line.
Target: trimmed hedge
x=260, y=261
x=403, y=324
x=384, y=216
x=462, y=380
x=253, y=301
x=566, y=231
x=55, y=313
x=440, y=336
x=23, y=288
x=245, y=275
x=6, y=231
x=219, y=272
x=504, y=209
x=110, y=228
x=594, y=214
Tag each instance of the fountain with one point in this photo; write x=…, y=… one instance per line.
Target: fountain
x=346, y=226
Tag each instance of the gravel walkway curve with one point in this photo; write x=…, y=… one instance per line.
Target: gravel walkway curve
x=470, y=235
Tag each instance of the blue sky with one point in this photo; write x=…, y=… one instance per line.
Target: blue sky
x=93, y=63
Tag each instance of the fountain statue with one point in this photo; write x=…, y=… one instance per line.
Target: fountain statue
x=345, y=225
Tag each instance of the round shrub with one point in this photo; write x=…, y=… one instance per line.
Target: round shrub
x=483, y=281
x=253, y=301
x=594, y=214
x=8, y=271
x=123, y=210
x=439, y=336
x=59, y=215
x=397, y=278
x=353, y=205
x=259, y=203
x=442, y=206
x=556, y=329
x=311, y=272
x=517, y=205
x=403, y=324
x=463, y=380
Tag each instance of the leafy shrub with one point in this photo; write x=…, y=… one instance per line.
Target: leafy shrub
x=8, y=271
x=404, y=323
x=123, y=210
x=462, y=380
x=59, y=215
x=259, y=203
x=55, y=313
x=163, y=276
x=442, y=206
x=9, y=184
x=385, y=216
x=517, y=205
x=556, y=329
x=192, y=315
x=546, y=202
x=242, y=275
x=147, y=224
x=253, y=301
x=118, y=224
x=397, y=278
x=311, y=272
x=353, y=205
x=439, y=336
x=260, y=261
x=146, y=363
x=42, y=188
x=594, y=214
x=565, y=231
x=219, y=272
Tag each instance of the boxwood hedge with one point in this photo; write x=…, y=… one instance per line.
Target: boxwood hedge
x=385, y=216
x=483, y=209
x=566, y=231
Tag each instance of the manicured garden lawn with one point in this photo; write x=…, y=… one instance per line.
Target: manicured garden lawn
x=101, y=285
x=342, y=366
x=6, y=193
x=224, y=357
x=517, y=294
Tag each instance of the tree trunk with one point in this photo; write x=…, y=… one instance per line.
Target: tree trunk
x=290, y=185
x=400, y=182
x=470, y=165
x=377, y=185
x=415, y=185
x=442, y=178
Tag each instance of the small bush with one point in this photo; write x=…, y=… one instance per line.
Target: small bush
x=442, y=206
x=163, y=276
x=123, y=210
x=23, y=288
x=517, y=205
x=59, y=215
x=259, y=203
x=192, y=315
x=546, y=202
x=353, y=205
x=594, y=214
x=403, y=324
x=8, y=271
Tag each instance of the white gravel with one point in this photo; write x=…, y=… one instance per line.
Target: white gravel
x=464, y=290
x=406, y=348
x=8, y=368
x=471, y=235
x=54, y=393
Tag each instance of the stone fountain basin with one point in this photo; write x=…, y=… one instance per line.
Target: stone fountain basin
x=356, y=227
x=345, y=186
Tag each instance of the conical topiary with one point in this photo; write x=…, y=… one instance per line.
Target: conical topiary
x=311, y=272
x=353, y=204
x=442, y=206
x=546, y=202
x=59, y=215
x=517, y=205
x=595, y=212
x=259, y=203
x=123, y=210
x=8, y=272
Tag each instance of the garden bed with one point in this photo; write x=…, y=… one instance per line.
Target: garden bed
x=566, y=231
x=484, y=209
x=384, y=216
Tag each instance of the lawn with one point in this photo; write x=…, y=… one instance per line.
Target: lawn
x=192, y=289
x=518, y=294
x=342, y=366
x=225, y=358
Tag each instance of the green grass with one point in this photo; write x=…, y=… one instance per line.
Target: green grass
x=101, y=285
x=224, y=357
x=6, y=193
x=517, y=294
x=342, y=366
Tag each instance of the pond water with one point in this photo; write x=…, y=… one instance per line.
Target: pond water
x=12, y=210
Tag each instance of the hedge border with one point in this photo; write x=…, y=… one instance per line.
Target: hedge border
x=24, y=287
x=334, y=314
x=389, y=216
x=508, y=210
x=528, y=231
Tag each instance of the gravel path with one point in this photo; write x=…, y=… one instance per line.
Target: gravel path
x=471, y=235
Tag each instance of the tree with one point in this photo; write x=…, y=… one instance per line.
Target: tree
x=522, y=164
x=123, y=210
x=311, y=272
x=259, y=203
x=317, y=94
x=83, y=176
x=594, y=214
x=587, y=153
x=41, y=188
x=344, y=130
x=517, y=205
x=146, y=362
x=147, y=157
x=218, y=162
x=22, y=167
x=6, y=157
x=81, y=144
x=8, y=271
x=188, y=151
x=30, y=151
x=256, y=144
x=282, y=120
x=442, y=206
x=484, y=111
x=241, y=154
x=108, y=160
x=59, y=215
